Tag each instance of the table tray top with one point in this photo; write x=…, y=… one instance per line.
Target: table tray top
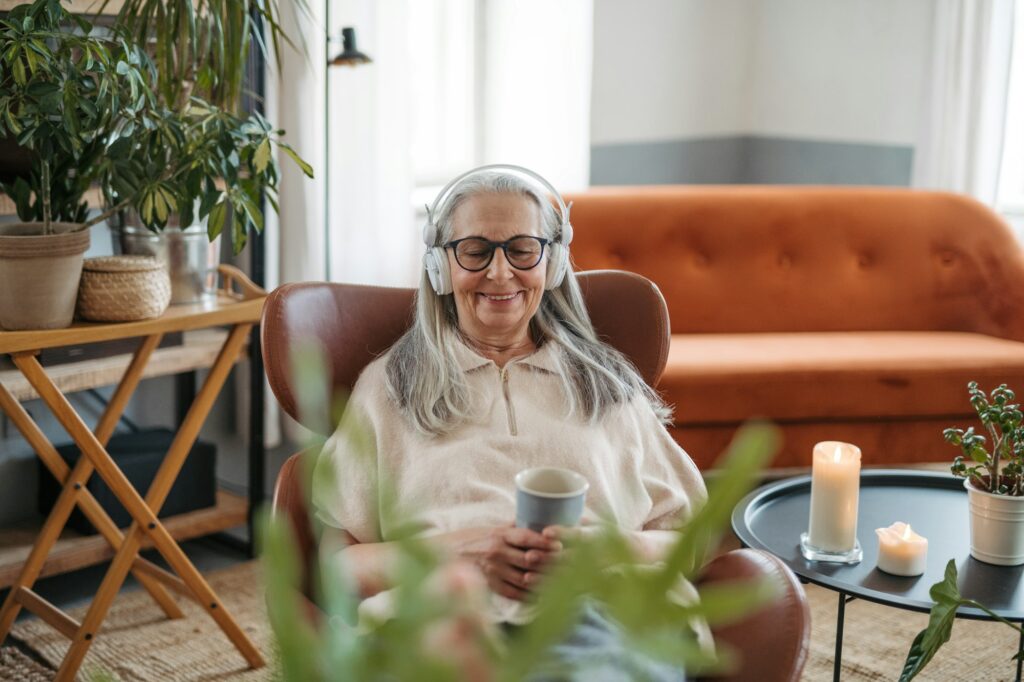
x=223, y=308
x=772, y=518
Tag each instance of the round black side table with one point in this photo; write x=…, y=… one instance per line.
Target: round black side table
x=772, y=517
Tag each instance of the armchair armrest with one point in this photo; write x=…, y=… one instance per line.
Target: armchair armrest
x=774, y=641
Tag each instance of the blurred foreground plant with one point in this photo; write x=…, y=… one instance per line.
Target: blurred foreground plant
x=438, y=632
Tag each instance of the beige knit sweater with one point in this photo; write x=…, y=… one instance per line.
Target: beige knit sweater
x=640, y=479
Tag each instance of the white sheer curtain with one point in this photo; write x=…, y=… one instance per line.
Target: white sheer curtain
x=536, y=87
x=965, y=113
x=372, y=237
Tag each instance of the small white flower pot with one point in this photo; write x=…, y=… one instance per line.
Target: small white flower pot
x=997, y=527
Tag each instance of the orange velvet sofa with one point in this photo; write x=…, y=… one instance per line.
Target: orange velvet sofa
x=854, y=314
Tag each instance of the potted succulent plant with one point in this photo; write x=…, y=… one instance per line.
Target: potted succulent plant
x=62, y=94
x=994, y=477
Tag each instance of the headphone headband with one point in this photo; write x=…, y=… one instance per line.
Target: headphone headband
x=563, y=210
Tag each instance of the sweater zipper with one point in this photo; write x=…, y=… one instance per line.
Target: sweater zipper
x=509, y=410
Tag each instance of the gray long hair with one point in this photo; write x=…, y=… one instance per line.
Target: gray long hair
x=424, y=376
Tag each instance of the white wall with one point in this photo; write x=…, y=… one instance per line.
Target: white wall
x=838, y=70
x=843, y=70
x=670, y=69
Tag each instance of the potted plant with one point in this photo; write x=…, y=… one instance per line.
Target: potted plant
x=994, y=478
x=228, y=165
x=84, y=105
x=62, y=94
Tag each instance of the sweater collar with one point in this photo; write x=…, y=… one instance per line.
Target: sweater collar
x=543, y=358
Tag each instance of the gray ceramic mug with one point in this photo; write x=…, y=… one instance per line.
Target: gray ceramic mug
x=549, y=496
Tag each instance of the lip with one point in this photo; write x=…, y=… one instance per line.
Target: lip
x=514, y=296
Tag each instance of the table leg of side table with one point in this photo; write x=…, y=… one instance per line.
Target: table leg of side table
x=1020, y=651
x=144, y=511
x=840, y=618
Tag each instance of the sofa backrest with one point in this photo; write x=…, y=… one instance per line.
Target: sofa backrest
x=785, y=258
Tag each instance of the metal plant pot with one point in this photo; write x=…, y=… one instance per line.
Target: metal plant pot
x=39, y=274
x=190, y=256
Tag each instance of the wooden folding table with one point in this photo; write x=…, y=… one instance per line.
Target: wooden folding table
x=237, y=310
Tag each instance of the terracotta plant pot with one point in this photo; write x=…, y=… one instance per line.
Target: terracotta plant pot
x=39, y=274
x=997, y=527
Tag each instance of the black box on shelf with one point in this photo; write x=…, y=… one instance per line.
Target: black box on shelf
x=139, y=455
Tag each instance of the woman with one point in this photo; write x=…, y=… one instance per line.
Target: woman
x=501, y=371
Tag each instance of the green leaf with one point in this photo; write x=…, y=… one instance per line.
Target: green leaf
x=262, y=155
x=946, y=596
x=216, y=223
x=19, y=72
x=306, y=168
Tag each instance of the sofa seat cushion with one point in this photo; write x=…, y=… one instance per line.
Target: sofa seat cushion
x=721, y=378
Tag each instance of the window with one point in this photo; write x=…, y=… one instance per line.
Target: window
x=443, y=72
x=1010, y=197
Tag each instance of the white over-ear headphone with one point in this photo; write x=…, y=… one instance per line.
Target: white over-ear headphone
x=435, y=260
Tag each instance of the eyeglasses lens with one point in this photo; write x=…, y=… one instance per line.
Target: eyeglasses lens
x=522, y=252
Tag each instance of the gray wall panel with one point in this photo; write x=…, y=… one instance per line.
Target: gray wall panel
x=805, y=162
x=746, y=159
x=703, y=161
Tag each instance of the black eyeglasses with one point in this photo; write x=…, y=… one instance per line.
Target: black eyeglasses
x=475, y=253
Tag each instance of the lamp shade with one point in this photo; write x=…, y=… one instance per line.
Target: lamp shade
x=350, y=54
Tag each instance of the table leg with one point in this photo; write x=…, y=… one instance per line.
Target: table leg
x=82, y=497
x=144, y=511
x=840, y=618
x=1020, y=651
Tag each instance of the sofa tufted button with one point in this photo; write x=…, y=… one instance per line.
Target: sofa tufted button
x=785, y=261
x=701, y=260
x=865, y=260
x=948, y=257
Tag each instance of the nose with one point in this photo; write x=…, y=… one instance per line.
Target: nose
x=499, y=268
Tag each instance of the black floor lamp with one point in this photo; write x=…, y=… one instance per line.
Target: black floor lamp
x=349, y=56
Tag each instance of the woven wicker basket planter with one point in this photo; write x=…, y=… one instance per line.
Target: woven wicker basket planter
x=123, y=288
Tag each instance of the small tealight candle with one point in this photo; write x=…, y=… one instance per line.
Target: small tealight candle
x=901, y=551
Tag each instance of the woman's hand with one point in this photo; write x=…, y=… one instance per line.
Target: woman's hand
x=511, y=559
x=648, y=546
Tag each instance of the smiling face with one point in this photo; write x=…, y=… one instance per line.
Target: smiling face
x=495, y=305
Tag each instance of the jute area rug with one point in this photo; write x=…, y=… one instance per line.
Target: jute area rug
x=137, y=643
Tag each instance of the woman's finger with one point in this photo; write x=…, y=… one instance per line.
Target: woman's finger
x=527, y=560
x=525, y=539
x=505, y=588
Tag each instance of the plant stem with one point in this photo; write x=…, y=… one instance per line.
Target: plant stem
x=46, y=196
x=103, y=216
x=993, y=469
x=995, y=616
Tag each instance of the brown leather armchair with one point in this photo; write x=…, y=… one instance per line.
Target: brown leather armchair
x=357, y=323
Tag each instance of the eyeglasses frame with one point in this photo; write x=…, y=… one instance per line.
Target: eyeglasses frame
x=494, y=246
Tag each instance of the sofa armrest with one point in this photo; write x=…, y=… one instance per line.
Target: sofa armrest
x=773, y=642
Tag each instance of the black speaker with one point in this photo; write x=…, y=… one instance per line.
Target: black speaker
x=139, y=455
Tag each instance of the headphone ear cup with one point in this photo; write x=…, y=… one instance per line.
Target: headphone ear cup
x=429, y=232
x=558, y=263
x=435, y=261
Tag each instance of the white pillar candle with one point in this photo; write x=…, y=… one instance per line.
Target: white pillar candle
x=901, y=551
x=835, y=487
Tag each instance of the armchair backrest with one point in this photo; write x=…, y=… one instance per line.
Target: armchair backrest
x=355, y=324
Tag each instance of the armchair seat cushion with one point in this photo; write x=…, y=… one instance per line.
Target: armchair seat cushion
x=724, y=378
